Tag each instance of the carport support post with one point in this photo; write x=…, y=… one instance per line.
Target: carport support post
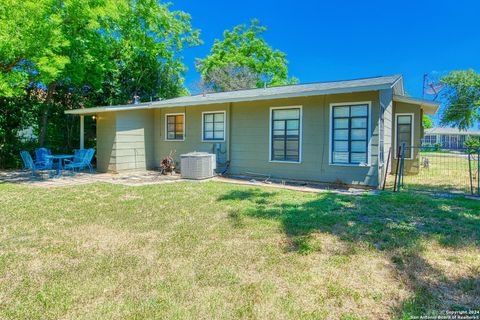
x=82, y=131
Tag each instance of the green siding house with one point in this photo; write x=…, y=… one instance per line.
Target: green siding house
x=338, y=132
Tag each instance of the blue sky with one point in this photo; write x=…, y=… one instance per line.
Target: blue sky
x=334, y=40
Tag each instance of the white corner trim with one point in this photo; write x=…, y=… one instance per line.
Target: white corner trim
x=300, y=140
x=224, y=126
x=396, y=132
x=369, y=134
x=166, y=125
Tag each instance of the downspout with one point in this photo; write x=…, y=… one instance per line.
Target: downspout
x=229, y=135
x=229, y=138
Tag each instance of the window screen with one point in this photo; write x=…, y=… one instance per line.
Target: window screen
x=350, y=134
x=286, y=135
x=175, y=127
x=214, y=126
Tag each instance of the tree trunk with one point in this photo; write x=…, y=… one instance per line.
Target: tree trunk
x=44, y=122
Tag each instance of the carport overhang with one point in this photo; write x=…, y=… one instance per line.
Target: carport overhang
x=427, y=106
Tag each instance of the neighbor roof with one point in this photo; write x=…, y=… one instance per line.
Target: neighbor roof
x=289, y=91
x=451, y=131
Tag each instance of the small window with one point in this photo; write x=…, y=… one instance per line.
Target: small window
x=214, y=126
x=175, y=128
x=350, y=134
x=405, y=133
x=285, y=143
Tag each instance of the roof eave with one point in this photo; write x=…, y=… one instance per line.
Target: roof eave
x=207, y=101
x=428, y=107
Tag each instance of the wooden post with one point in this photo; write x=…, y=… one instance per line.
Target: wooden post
x=386, y=168
x=82, y=132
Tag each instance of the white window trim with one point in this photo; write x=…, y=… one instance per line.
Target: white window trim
x=369, y=134
x=299, y=140
x=224, y=126
x=379, y=124
x=166, y=125
x=396, y=131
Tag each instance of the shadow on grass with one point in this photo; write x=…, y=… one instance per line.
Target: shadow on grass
x=394, y=224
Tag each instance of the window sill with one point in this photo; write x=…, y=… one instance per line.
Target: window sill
x=280, y=161
x=173, y=140
x=350, y=165
x=213, y=141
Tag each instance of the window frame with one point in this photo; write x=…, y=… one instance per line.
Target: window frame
x=224, y=126
x=166, y=125
x=412, y=133
x=369, y=134
x=300, y=135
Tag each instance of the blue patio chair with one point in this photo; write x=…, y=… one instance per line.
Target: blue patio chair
x=78, y=154
x=30, y=165
x=79, y=162
x=40, y=156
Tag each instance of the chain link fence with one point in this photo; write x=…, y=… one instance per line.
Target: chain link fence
x=435, y=170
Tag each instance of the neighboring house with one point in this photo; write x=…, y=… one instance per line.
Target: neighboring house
x=338, y=131
x=448, y=138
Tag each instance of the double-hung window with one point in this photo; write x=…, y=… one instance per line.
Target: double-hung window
x=213, y=126
x=285, y=134
x=404, y=122
x=175, y=126
x=350, y=134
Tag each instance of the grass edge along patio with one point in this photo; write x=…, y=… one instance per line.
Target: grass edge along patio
x=339, y=132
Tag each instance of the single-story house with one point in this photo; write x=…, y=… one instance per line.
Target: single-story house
x=338, y=132
x=448, y=138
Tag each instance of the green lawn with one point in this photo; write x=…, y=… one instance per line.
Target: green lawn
x=213, y=250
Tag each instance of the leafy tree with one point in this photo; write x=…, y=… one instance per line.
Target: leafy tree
x=147, y=61
x=427, y=122
x=31, y=44
x=228, y=78
x=243, y=47
x=473, y=144
x=462, y=95
x=80, y=53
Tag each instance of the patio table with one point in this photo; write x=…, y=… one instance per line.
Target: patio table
x=60, y=158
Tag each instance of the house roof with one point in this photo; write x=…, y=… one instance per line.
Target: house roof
x=428, y=106
x=279, y=92
x=451, y=131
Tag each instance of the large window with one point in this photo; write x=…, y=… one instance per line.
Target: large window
x=213, y=126
x=175, y=126
x=350, y=134
x=404, y=131
x=285, y=137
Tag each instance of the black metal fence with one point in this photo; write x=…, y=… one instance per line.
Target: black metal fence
x=435, y=170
